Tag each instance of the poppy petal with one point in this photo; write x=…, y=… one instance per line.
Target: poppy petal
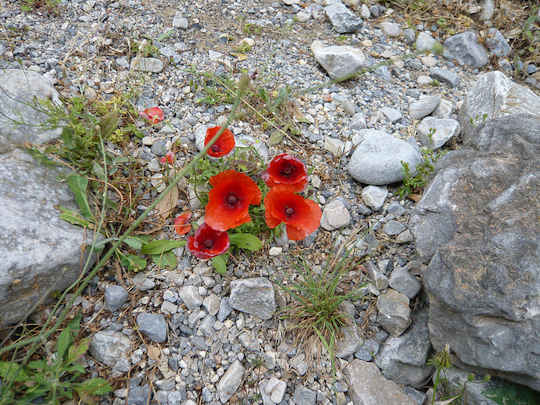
x=224, y=144
x=229, y=200
x=208, y=242
x=181, y=226
x=286, y=170
x=296, y=233
x=282, y=205
x=271, y=221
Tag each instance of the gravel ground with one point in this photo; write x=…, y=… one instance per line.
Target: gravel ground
x=183, y=335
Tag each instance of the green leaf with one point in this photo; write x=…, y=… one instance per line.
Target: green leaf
x=133, y=262
x=78, y=350
x=108, y=124
x=94, y=386
x=78, y=185
x=10, y=371
x=275, y=138
x=98, y=171
x=38, y=364
x=166, y=260
x=62, y=344
x=245, y=241
x=157, y=247
x=73, y=217
x=134, y=242
x=220, y=264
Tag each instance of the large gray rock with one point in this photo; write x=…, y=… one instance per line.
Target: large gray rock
x=464, y=47
x=254, y=296
x=338, y=61
x=21, y=115
x=367, y=386
x=495, y=95
x=109, y=347
x=377, y=159
x=343, y=19
x=41, y=253
x=403, y=359
x=477, y=225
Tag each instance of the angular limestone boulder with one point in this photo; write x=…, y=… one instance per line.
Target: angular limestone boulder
x=478, y=226
x=495, y=95
x=41, y=253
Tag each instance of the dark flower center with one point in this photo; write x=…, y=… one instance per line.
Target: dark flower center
x=215, y=148
x=289, y=211
x=232, y=199
x=286, y=170
x=208, y=243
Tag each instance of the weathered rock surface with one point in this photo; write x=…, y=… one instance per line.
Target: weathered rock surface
x=20, y=116
x=495, y=95
x=367, y=386
x=377, y=159
x=230, y=381
x=109, y=347
x=403, y=359
x=338, y=61
x=394, y=312
x=254, y=296
x=435, y=132
x=477, y=225
x=464, y=47
x=342, y=18
x=40, y=252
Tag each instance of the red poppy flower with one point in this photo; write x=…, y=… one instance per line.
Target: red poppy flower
x=153, y=114
x=208, y=243
x=168, y=158
x=223, y=145
x=229, y=200
x=181, y=225
x=286, y=170
x=301, y=216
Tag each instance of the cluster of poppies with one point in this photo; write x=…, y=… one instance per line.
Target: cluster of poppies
x=233, y=192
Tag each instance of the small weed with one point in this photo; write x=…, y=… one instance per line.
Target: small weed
x=54, y=379
x=144, y=48
x=251, y=28
x=414, y=182
x=441, y=362
x=437, y=48
x=269, y=107
x=50, y=5
x=435, y=83
x=315, y=313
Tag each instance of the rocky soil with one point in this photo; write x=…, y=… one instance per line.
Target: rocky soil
x=190, y=336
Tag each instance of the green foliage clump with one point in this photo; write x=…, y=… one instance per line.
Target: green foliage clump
x=53, y=379
x=414, y=182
